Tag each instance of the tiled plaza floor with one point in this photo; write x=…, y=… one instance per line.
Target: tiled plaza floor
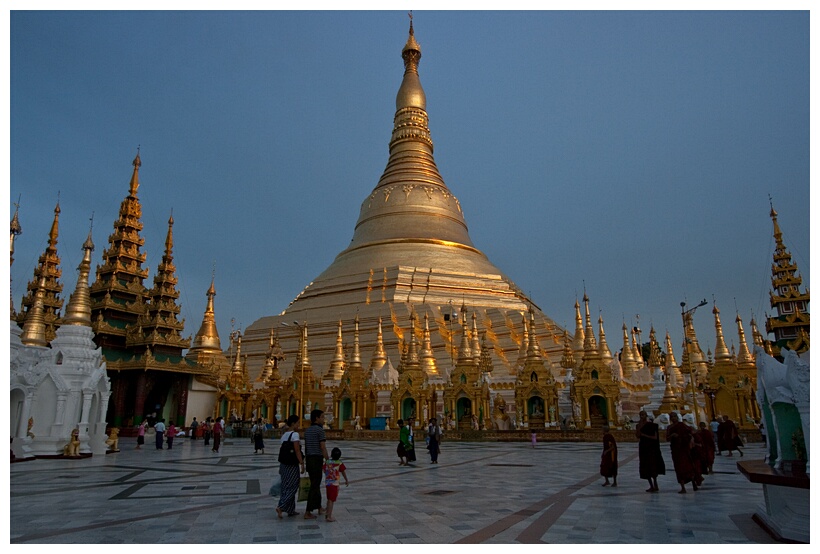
x=504, y=493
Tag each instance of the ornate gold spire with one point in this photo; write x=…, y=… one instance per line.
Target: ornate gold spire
x=790, y=303
x=412, y=361
x=654, y=350
x=525, y=344
x=118, y=296
x=672, y=369
x=158, y=326
x=337, y=364
x=590, y=344
x=207, y=338
x=628, y=365
x=757, y=337
x=603, y=347
x=578, y=340
x=567, y=358
x=475, y=342
x=356, y=362
x=16, y=229
x=78, y=311
x=744, y=356
x=427, y=358
x=721, y=351
x=533, y=349
x=34, y=329
x=49, y=267
x=379, y=357
x=636, y=347
x=465, y=354
x=410, y=94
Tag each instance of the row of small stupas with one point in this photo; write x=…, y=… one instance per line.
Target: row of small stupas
x=496, y=361
x=580, y=386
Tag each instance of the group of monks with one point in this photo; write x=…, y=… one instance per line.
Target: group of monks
x=693, y=450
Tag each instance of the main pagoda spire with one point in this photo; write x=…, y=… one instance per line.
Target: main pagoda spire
x=791, y=305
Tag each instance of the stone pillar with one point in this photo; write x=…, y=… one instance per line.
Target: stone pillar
x=119, y=401
x=139, y=400
x=182, y=409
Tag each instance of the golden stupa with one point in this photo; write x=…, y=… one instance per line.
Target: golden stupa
x=411, y=253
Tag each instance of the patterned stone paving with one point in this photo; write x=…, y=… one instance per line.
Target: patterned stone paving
x=490, y=493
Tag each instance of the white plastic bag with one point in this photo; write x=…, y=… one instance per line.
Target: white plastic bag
x=276, y=486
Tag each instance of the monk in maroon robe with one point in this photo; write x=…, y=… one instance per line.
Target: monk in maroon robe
x=707, y=449
x=609, y=458
x=679, y=436
x=728, y=438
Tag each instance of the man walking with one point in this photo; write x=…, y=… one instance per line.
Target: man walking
x=315, y=454
x=194, y=427
x=159, y=427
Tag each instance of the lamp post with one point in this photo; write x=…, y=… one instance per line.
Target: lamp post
x=683, y=313
x=302, y=351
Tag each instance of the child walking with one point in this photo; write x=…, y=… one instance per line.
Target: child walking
x=332, y=468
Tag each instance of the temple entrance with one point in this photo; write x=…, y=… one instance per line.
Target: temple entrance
x=345, y=411
x=464, y=410
x=598, y=414
x=408, y=408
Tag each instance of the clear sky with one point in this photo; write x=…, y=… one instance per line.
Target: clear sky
x=629, y=152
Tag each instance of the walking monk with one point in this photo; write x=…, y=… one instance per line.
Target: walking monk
x=679, y=436
x=707, y=449
x=609, y=458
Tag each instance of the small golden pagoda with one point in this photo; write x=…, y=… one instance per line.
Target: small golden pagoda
x=271, y=385
x=595, y=392
x=410, y=397
x=791, y=324
x=354, y=395
x=536, y=391
x=49, y=269
x=233, y=398
x=727, y=390
x=467, y=394
x=302, y=391
x=206, y=348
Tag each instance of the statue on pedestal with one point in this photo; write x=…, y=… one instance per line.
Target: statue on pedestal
x=113, y=440
x=72, y=449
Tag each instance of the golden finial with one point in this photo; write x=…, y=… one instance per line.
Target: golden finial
x=169, y=239
x=55, y=225
x=135, y=177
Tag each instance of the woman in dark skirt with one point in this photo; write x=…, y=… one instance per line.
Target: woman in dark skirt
x=402, y=453
x=650, y=459
x=258, y=436
x=289, y=472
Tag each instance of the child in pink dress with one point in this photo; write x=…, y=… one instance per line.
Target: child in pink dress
x=332, y=468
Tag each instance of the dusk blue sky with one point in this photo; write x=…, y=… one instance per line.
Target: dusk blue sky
x=631, y=152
